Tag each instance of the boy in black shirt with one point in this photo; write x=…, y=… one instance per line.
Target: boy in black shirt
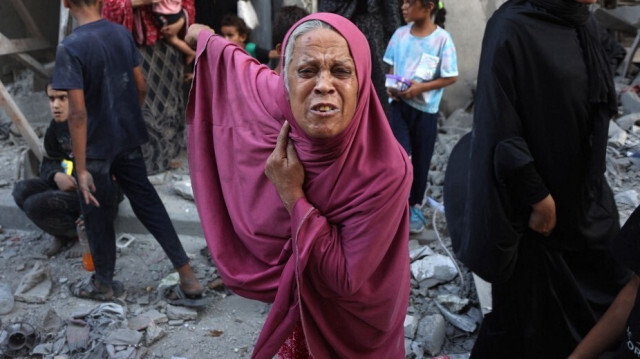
x=100, y=67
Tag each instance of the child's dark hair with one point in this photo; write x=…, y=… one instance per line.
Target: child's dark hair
x=285, y=18
x=83, y=2
x=238, y=23
x=439, y=13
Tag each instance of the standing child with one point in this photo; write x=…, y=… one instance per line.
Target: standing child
x=236, y=30
x=423, y=53
x=99, y=66
x=286, y=17
x=170, y=13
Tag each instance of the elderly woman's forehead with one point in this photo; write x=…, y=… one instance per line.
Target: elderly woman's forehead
x=320, y=34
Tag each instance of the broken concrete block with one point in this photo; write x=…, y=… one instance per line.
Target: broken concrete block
x=140, y=322
x=158, y=179
x=626, y=122
x=431, y=331
x=6, y=298
x=629, y=197
x=184, y=189
x=153, y=333
x=35, y=286
x=460, y=321
x=156, y=316
x=418, y=251
x=452, y=302
x=617, y=136
x=410, y=326
x=433, y=270
x=630, y=102
x=181, y=313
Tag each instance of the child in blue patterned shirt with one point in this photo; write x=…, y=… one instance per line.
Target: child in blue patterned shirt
x=423, y=54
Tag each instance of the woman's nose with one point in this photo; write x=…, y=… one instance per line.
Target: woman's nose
x=324, y=83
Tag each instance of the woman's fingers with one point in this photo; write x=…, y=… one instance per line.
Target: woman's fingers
x=283, y=140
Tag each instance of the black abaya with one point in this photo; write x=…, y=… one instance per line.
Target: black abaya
x=537, y=131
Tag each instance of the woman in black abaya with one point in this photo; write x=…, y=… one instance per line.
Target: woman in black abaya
x=532, y=212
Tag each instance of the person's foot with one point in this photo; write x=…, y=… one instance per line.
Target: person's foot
x=91, y=288
x=189, y=284
x=56, y=246
x=416, y=220
x=75, y=251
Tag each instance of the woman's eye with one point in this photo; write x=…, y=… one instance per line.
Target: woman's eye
x=342, y=72
x=306, y=71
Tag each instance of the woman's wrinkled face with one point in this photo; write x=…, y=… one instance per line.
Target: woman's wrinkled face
x=323, y=85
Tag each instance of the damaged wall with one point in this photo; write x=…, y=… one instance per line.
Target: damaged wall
x=466, y=21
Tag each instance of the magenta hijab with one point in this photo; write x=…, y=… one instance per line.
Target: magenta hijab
x=339, y=263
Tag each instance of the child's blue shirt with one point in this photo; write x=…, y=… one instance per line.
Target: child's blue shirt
x=422, y=59
x=99, y=58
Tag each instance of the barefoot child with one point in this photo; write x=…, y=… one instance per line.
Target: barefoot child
x=423, y=53
x=100, y=67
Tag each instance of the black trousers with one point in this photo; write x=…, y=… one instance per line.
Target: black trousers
x=52, y=210
x=129, y=170
x=416, y=131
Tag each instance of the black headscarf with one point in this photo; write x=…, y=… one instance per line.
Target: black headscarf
x=601, y=88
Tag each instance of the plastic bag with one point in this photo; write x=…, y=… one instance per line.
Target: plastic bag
x=247, y=13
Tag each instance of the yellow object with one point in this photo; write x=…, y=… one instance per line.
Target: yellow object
x=68, y=167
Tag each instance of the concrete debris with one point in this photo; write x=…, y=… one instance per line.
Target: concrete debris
x=181, y=313
x=6, y=298
x=416, y=251
x=410, y=326
x=462, y=322
x=184, y=189
x=617, y=136
x=35, y=286
x=140, y=322
x=153, y=333
x=452, y=302
x=630, y=101
x=627, y=122
x=629, y=197
x=433, y=270
x=431, y=334
x=156, y=317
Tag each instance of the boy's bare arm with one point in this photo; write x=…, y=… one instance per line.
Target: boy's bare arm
x=417, y=88
x=78, y=130
x=611, y=326
x=141, y=84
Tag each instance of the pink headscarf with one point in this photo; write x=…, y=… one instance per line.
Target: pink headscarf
x=339, y=264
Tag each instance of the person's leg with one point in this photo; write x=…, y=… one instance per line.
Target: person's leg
x=130, y=171
x=24, y=189
x=99, y=223
x=423, y=138
x=54, y=211
x=400, y=126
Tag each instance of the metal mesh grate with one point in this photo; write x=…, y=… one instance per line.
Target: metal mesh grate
x=163, y=111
